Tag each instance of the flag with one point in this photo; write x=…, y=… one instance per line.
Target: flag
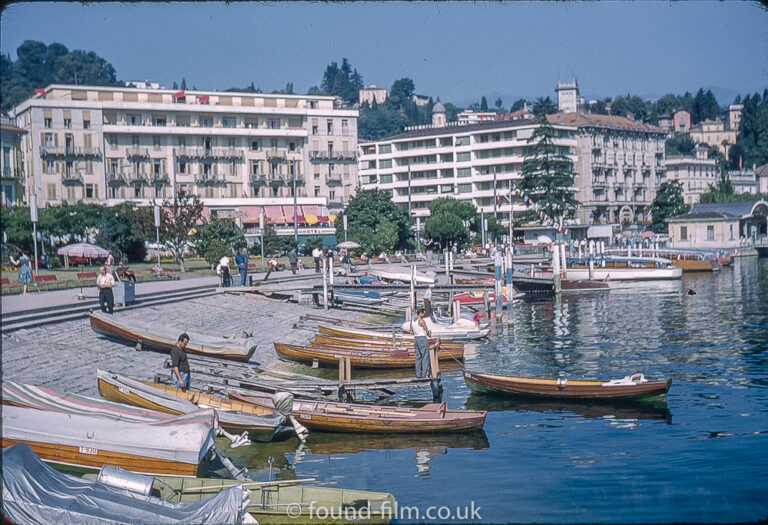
x=178, y=94
x=40, y=91
x=203, y=99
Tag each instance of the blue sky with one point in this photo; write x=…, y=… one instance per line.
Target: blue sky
x=457, y=51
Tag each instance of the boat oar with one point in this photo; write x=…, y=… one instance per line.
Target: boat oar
x=246, y=485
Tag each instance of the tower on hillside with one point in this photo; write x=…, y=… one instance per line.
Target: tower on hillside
x=567, y=96
x=438, y=115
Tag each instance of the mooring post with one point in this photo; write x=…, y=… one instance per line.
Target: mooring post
x=556, y=268
x=510, y=290
x=325, y=285
x=413, y=286
x=497, y=275
x=487, y=304
x=347, y=369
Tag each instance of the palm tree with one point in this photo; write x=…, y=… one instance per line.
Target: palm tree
x=544, y=106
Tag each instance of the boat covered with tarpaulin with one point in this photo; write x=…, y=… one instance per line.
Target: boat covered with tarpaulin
x=153, y=336
x=33, y=492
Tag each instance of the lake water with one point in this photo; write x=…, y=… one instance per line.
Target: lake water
x=703, y=457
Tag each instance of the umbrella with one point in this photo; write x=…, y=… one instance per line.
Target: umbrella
x=647, y=235
x=311, y=219
x=348, y=244
x=83, y=249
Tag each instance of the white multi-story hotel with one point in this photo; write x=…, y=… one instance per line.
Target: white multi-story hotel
x=108, y=144
x=696, y=173
x=474, y=162
x=10, y=163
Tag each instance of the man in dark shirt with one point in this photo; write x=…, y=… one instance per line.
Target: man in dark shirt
x=180, y=364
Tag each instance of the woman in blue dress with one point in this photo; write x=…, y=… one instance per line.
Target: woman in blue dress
x=25, y=272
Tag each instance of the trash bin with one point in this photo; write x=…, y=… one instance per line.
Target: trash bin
x=125, y=292
x=250, y=280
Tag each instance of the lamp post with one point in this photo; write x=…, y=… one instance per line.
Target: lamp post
x=494, y=194
x=409, y=188
x=157, y=231
x=344, y=218
x=33, y=217
x=295, y=223
x=261, y=235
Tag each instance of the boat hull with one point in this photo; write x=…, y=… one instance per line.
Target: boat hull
x=401, y=358
x=625, y=274
x=379, y=343
x=549, y=388
x=372, y=419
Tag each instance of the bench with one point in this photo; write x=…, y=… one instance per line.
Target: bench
x=162, y=274
x=9, y=287
x=87, y=278
x=49, y=281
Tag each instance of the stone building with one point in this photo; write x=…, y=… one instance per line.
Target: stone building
x=619, y=165
x=110, y=144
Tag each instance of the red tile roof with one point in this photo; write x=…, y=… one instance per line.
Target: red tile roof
x=600, y=121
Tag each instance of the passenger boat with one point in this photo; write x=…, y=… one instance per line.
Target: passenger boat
x=404, y=276
x=33, y=492
x=457, y=330
x=399, y=358
x=623, y=269
x=162, y=338
x=176, y=447
x=634, y=386
x=350, y=417
x=331, y=340
x=261, y=424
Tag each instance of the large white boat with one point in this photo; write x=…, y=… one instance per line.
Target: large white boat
x=623, y=269
x=462, y=329
x=405, y=276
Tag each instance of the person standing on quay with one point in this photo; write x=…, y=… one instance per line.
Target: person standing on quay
x=316, y=255
x=105, y=282
x=293, y=259
x=110, y=264
x=180, y=371
x=241, y=260
x=224, y=266
x=25, y=272
x=421, y=343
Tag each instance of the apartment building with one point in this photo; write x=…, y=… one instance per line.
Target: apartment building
x=696, y=173
x=109, y=144
x=472, y=162
x=714, y=133
x=12, y=181
x=619, y=165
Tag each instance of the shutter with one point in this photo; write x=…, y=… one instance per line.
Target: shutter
x=96, y=191
x=47, y=113
x=162, y=166
x=86, y=115
x=87, y=141
x=42, y=138
x=67, y=114
x=56, y=140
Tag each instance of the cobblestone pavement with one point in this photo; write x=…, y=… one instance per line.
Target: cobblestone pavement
x=65, y=356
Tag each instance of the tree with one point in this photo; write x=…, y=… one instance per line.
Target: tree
x=668, y=203
x=272, y=242
x=400, y=92
x=666, y=104
x=483, y=104
x=752, y=142
x=544, y=106
x=343, y=81
x=375, y=222
x=518, y=105
x=548, y=174
x=679, y=145
x=212, y=235
x=450, y=220
x=498, y=103
x=183, y=85
x=178, y=220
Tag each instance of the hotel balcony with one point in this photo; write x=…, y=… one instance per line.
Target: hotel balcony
x=72, y=178
x=336, y=155
x=333, y=180
x=116, y=179
x=209, y=179
x=8, y=173
x=137, y=153
x=64, y=151
x=136, y=178
x=159, y=178
x=599, y=183
x=209, y=153
x=276, y=155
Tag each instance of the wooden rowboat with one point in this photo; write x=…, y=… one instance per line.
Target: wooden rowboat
x=351, y=417
x=163, y=338
x=630, y=387
x=270, y=502
x=261, y=424
x=358, y=333
x=400, y=358
x=87, y=442
x=349, y=341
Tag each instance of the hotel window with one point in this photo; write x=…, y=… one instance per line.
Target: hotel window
x=156, y=142
x=50, y=166
x=273, y=123
x=137, y=191
x=206, y=122
x=113, y=166
x=462, y=141
x=49, y=140
x=464, y=172
x=159, y=121
x=731, y=231
x=291, y=145
x=254, y=145
x=182, y=121
x=385, y=163
x=133, y=119
x=48, y=122
x=465, y=188
x=89, y=191
x=229, y=122
x=158, y=191
x=317, y=191
x=86, y=121
x=463, y=156
x=710, y=233
x=254, y=167
x=683, y=233
x=329, y=126
x=385, y=179
x=385, y=148
x=182, y=167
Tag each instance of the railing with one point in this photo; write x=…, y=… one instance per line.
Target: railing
x=116, y=179
x=159, y=177
x=133, y=178
x=63, y=151
x=276, y=155
x=333, y=179
x=72, y=178
x=340, y=155
x=137, y=152
x=257, y=178
x=209, y=153
x=209, y=179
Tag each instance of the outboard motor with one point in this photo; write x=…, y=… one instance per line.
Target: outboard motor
x=283, y=402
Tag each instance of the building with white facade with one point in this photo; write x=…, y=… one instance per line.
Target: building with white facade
x=471, y=162
x=11, y=162
x=696, y=173
x=568, y=99
x=469, y=116
x=372, y=94
x=619, y=165
x=110, y=144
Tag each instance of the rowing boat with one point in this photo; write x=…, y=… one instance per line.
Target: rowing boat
x=359, y=333
x=399, y=358
x=33, y=492
x=351, y=417
x=162, y=338
x=349, y=341
x=261, y=424
x=172, y=446
x=270, y=502
x=391, y=275
x=634, y=386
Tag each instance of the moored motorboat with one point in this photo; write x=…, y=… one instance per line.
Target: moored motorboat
x=33, y=492
x=161, y=337
x=261, y=424
x=87, y=442
x=404, y=276
x=359, y=333
x=634, y=386
x=614, y=268
x=329, y=356
x=352, y=417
